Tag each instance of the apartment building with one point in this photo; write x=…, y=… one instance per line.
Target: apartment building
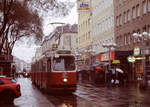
x=132, y=17
x=102, y=24
x=84, y=24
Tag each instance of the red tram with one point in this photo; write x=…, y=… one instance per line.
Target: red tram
x=55, y=72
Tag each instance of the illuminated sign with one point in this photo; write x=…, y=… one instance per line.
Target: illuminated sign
x=136, y=51
x=105, y=56
x=83, y=57
x=131, y=59
x=140, y=58
x=83, y=6
x=116, y=61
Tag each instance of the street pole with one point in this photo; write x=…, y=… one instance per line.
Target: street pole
x=109, y=66
x=109, y=57
x=108, y=46
x=143, y=63
x=133, y=71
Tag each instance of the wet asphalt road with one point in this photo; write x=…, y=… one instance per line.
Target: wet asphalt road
x=87, y=95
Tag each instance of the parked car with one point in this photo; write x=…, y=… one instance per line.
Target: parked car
x=9, y=89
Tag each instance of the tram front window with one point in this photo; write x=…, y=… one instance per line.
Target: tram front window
x=64, y=63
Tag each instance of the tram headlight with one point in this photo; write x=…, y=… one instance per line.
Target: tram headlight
x=26, y=74
x=65, y=79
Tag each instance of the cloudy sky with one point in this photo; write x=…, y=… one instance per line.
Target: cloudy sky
x=25, y=52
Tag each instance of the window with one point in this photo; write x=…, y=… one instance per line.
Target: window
x=64, y=63
x=129, y=38
x=128, y=15
x=120, y=20
x=117, y=41
x=138, y=10
x=125, y=17
x=144, y=29
x=89, y=35
x=148, y=4
x=117, y=21
x=144, y=7
x=125, y=40
x=148, y=28
x=133, y=13
x=120, y=41
x=89, y=21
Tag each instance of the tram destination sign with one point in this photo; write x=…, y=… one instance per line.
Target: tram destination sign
x=63, y=52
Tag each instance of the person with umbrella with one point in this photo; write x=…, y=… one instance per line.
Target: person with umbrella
x=120, y=76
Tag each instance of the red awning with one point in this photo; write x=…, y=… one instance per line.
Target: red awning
x=99, y=68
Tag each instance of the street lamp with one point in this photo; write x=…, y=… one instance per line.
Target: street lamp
x=90, y=51
x=109, y=46
x=143, y=36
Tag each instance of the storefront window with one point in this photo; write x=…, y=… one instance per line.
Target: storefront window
x=139, y=67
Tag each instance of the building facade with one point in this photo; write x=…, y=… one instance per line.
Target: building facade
x=102, y=24
x=132, y=16
x=84, y=24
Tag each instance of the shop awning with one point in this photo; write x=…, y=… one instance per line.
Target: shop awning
x=98, y=68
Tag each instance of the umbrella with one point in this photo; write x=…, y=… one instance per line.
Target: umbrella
x=99, y=68
x=82, y=71
x=119, y=70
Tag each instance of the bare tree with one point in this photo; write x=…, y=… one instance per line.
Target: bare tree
x=20, y=18
x=54, y=8
x=16, y=23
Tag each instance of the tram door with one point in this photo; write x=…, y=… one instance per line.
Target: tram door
x=49, y=65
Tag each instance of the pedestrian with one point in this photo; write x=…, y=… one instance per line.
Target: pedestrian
x=108, y=77
x=13, y=71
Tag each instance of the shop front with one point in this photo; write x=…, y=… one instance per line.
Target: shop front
x=117, y=59
x=142, y=64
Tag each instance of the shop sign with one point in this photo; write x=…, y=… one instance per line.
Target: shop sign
x=83, y=57
x=136, y=51
x=83, y=5
x=131, y=59
x=140, y=58
x=116, y=61
x=105, y=56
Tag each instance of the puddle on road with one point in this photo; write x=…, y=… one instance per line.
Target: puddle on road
x=115, y=96
x=85, y=96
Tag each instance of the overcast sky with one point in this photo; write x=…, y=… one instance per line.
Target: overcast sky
x=25, y=52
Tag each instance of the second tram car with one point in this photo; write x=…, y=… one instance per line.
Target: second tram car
x=55, y=72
